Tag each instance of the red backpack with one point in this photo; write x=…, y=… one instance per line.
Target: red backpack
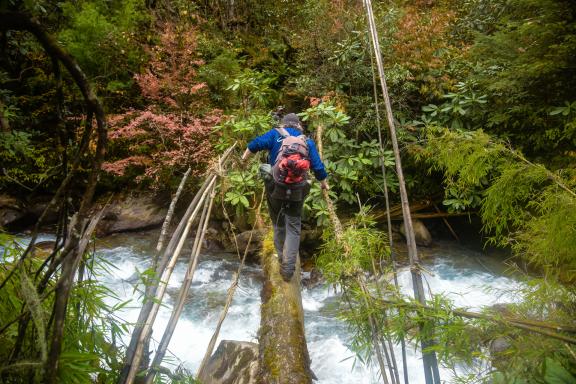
x=290, y=170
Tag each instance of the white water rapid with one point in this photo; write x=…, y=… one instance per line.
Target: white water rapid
x=469, y=278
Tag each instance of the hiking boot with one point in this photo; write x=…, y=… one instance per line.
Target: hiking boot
x=286, y=274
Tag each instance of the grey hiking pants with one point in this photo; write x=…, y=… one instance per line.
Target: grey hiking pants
x=287, y=222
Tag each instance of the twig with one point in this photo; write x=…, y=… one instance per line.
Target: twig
x=446, y=223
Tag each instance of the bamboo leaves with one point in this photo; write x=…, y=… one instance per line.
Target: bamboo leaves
x=522, y=204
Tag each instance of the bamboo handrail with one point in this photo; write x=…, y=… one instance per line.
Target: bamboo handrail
x=185, y=287
x=150, y=308
x=230, y=296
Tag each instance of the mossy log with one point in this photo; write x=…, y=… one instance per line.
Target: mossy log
x=283, y=354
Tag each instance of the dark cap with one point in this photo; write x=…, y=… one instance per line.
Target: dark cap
x=291, y=120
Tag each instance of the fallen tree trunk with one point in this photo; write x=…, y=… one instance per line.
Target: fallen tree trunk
x=283, y=353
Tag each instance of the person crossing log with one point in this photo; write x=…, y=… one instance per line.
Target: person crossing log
x=290, y=155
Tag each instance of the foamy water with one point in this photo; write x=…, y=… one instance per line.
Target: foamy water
x=462, y=275
x=454, y=271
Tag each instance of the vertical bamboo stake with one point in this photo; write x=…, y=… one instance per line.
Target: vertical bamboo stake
x=388, y=221
x=338, y=234
x=431, y=372
x=170, y=212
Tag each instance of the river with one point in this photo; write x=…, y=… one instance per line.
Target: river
x=469, y=277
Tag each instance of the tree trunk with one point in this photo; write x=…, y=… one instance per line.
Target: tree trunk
x=283, y=354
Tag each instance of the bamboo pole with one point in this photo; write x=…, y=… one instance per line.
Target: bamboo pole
x=338, y=234
x=435, y=215
x=151, y=289
x=431, y=371
x=185, y=287
x=159, y=295
x=389, y=224
x=527, y=325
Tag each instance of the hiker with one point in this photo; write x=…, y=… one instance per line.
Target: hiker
x=290, y=155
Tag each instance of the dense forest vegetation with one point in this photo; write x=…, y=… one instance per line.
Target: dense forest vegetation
x=484, y=98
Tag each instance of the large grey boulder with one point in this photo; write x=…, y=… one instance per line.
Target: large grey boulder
x=423, y=236
x=131, y=213
x=234, y=362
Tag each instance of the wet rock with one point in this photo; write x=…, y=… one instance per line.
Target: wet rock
x=43, y=249
x=242, y=239
x=130, y=213
x=213, y=239
x=499, y=345
x=421, y=233
x=234, y=362
x=11, y=210
x=310, y=241
x=312, y=279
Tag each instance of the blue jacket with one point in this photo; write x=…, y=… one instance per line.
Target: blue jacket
x=271, y=141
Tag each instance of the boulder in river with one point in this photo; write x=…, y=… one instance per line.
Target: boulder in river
x=499, y=346
x=421, y=233
x=234, y=362
x=131, y=213
x=255, y=243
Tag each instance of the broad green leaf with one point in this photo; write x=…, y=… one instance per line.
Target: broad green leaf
x=555, y=373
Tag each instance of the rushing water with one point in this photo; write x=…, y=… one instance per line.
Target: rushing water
x=468, y=277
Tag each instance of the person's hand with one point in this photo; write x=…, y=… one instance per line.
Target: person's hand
x=324, y=185
x=246, y=154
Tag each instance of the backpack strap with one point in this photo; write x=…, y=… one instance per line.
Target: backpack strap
x=283, y=132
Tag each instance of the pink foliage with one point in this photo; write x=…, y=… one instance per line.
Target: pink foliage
x=118, y=168
x=170, y=78
x=172, y=141
x=165, y=135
